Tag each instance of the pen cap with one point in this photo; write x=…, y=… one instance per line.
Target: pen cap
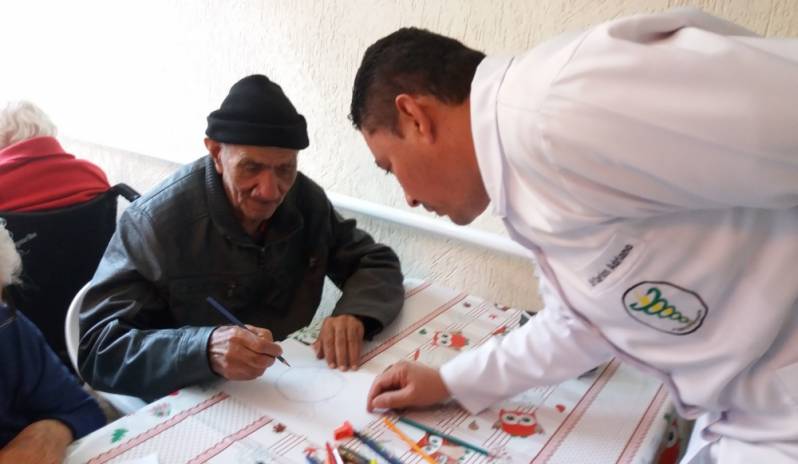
x=344, y=431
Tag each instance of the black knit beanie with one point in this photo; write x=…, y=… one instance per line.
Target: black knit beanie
x=257, y=112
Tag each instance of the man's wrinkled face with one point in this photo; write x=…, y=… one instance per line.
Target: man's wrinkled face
x=427, y=178
x=256, y=179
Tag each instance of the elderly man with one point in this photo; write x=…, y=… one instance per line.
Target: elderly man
x=651, y=165
x=240, y=225
x=42, y=408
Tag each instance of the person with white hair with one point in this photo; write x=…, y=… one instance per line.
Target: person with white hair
x=35, y=171
x=42, y=408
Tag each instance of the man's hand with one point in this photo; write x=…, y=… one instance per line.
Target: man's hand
x=339, y=341
x=42, y=442
x=407, y=384
x=238, y=354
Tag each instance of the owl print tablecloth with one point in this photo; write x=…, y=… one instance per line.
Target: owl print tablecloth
x=611, y=414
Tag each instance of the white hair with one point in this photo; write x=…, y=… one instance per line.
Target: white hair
x=22, y=120
x=10, y=261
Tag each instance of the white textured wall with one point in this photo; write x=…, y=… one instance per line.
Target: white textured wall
x=141, y=77
x=502, y=278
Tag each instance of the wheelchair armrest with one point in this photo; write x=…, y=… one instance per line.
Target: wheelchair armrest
x=125, y=191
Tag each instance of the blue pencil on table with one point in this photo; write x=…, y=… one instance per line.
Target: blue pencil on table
x=227, y=314
x=377, y=448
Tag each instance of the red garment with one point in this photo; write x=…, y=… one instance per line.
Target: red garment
x=37, y=174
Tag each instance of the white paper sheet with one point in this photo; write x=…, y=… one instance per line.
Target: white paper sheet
x=308, y=397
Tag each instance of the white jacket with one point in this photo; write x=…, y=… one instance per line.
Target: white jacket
x=651, y=164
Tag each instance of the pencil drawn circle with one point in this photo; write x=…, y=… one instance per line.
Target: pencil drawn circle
x=309, y=384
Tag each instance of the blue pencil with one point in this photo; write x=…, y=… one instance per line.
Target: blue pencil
x=226, y=313
x=377, y=448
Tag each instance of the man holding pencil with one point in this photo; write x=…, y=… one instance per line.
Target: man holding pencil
x=242, y=230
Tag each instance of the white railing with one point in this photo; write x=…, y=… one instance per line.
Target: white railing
x=446, y=229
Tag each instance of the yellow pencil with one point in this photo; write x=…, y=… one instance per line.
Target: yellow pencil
x=406, y=439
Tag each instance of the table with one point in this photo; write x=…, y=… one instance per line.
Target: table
x=613, y=414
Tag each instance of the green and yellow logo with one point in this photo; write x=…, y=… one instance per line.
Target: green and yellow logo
x=665, y=307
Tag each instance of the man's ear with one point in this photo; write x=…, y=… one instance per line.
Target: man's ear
x=414, y=117
x=215, y=150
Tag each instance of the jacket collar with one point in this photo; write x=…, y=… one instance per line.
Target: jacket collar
x=286, y=221
x=36, y=147
x=485, y=128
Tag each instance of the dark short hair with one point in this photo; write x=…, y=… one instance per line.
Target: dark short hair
x=412, y=61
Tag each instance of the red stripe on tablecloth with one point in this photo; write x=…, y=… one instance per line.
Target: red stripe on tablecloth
x=510, y=322
x=414, y=290
x=287, y=444
x=410, y=329
x=158, y=429
x=576, y=414
x=229, y=440
x=643, y=427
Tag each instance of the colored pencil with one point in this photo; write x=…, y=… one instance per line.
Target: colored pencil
x=408, y=440
x=227, y=314
x=452, y=439
x=332, y=455
x=377, y=448
x=352, y=455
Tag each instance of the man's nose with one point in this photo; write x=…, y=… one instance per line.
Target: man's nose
x=411, y=201
x=268, y=187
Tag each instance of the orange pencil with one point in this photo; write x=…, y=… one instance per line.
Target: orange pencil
x=408, y=440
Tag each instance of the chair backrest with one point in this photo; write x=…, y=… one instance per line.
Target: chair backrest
x=123, y=403
x=60, y=251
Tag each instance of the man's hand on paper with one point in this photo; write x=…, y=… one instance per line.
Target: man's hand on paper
x=407, y=384
x=339, y=341
x=238, y=354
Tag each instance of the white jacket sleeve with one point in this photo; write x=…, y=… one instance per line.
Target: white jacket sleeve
x=652, y=116
x=552, y=347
